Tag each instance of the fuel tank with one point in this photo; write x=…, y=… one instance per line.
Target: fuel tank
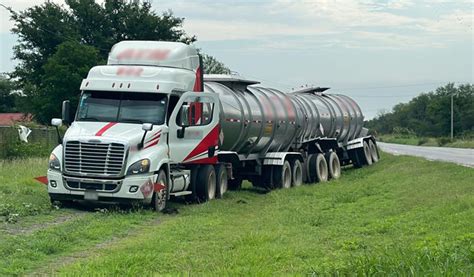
x=256, y=119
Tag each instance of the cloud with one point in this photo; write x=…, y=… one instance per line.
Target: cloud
x=363, y=23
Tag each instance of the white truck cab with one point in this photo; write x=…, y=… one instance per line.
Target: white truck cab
x=145, y=130
x=142, y=125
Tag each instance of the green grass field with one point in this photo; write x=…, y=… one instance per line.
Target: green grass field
x=401, y=216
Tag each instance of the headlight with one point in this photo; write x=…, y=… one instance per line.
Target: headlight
x=142, y=166
x=54, y=163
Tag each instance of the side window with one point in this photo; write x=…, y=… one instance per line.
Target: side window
x=195, y=111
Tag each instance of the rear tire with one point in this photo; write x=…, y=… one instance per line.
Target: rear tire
x=321, y=168
x=282, y=176
x=334, y=165
x=160, y=198
x=297, y=174
x=206, y=183
x=373, y=151
x=367, y=157
x=311, y=177
x=222, y=182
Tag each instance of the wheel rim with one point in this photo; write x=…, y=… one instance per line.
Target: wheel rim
x=286, y=177
x=368, y=155
x=373, y=150
x=160, y=196
x=298, y=175
x=335, y=168
x=223, y=184
x=211, y=182
x=323, y=170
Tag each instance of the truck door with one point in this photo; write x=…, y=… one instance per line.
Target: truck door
x=194, y=129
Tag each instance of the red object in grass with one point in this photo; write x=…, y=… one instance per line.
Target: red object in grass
x=42, y=179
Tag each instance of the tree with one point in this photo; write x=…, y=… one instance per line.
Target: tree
x=429, y=114
x=213, y=66
x=64, y=72
x=7, y=98
x=81, y=26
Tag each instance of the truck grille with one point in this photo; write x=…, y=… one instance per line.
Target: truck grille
x=106, y=159
x=78, y=185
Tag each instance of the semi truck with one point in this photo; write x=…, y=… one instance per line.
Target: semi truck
x=150, y=125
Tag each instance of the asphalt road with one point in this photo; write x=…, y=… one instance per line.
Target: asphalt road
x=460, y=156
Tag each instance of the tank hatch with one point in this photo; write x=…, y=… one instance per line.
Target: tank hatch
x=310, y=90
x=231, y=81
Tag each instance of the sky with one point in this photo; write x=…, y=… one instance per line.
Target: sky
x=378, y=52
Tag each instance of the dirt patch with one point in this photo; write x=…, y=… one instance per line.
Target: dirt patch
x=51, y=269
x=21, y=229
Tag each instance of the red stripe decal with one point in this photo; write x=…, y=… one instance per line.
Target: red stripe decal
x=105, y=128
x=210, y=140
x=206, y=160
x=157, y=135
x=153, y=143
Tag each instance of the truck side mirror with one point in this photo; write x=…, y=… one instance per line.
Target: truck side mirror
x=57, y=122
x=183, y=120
x=145, y=127
x=66, y=112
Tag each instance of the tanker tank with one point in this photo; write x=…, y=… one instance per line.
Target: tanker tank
x=256, y=119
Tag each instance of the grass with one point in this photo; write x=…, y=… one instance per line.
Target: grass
x=427, y=141
x=401, y=216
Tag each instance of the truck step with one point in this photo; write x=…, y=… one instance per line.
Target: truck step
x=181, y=193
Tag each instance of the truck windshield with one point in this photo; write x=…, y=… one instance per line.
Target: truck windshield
x=126, y=107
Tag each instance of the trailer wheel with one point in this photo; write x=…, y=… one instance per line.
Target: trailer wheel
x=334, y=165
x=160, y=197
x=311, y=169
x=373, y=151
x=367, y=155
x=206, y=183
x=221, y=173
x=297, y=174
x=234, y=184
x=282, y=176
x=321, y=168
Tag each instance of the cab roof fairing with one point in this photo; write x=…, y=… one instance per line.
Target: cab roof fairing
x=138, y=79
x=154, y=53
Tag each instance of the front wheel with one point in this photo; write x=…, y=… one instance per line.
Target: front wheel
x=160, y=192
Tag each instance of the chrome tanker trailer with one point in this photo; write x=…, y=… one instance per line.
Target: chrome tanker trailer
x=270, y=135
x=150, y=125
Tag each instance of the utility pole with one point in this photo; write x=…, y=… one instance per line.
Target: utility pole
x=452, y=116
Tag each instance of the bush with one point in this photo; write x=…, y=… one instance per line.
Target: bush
x=443, y=140
x=19, y=149
x=403, y=132
x=422, y=141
